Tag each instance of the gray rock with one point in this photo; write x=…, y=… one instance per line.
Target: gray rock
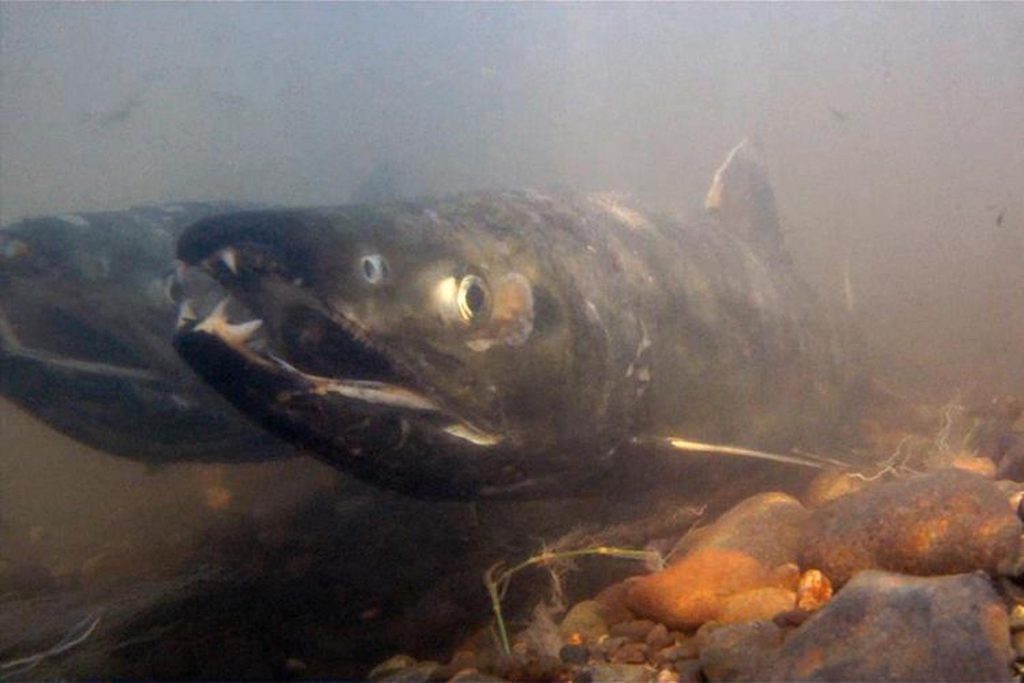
x=740, y=652
x=888, y=627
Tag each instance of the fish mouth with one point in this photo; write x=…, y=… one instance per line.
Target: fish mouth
x=254, y=327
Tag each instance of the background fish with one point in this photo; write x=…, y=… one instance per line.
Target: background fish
x=521, y=343
x=86, y=304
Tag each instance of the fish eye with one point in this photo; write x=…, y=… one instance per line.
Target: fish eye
x=374, y=268
x=473, y=297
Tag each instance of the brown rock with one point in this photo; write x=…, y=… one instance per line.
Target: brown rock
x=613, y=603
x=768, y=527
x=695, y=589
x=636, y=630
x=630, y=653
x=968, y=462
x=757, y=604
x=884, y=626
x=658, y=638
x=943, y=522
x=740, y=652
x=584, y=619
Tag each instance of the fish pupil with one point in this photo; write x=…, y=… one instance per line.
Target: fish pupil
x=475, y=298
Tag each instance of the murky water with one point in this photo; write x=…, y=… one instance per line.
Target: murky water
x=894, y=140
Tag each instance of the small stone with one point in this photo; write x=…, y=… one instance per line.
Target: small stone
x=574, y=654
x=658, y=638
x=630, y=653
x=740, y=652
x=813, y=590
x=676, y=653
x=585, y=619
x=633, y=630
x=610, y=644
x=968, y=462
x=884, y=626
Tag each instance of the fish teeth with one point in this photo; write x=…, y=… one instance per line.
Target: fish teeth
x=229, y=257
x=216, y=323
x=186, y=314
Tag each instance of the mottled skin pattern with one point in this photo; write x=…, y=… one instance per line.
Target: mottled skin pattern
x=644, y=327
x=85, y=310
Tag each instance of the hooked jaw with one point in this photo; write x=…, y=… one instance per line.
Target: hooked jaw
x=304, y=370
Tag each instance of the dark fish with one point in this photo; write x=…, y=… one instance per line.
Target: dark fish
x=86, y=307
x=520, y=344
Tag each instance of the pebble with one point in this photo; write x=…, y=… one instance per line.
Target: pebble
x=884, y=626
x=813, y=590
x=636, y=629
x=630, y=653
x=659, y=638
x=574, y=654
x=621, y=673
x=586, y=619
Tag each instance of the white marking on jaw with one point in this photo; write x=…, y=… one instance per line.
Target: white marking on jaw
x=379, y=393
x=186, y=314
x=217, y=324
x=473, y=435
x=229, y=257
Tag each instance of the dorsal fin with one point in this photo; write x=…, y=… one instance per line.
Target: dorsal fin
x=741, y=196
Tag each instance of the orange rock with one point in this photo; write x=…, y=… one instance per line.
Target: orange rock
x=813, y=590
x=757, y=604
x=696, y=589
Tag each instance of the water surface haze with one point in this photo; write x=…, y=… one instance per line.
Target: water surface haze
x=894, y=136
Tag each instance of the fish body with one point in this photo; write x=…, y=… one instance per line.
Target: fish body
x=86, y=307
x=519, y=344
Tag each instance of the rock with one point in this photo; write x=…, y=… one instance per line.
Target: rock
x=574, y=654
x=696, y=589
x=943, y=522
x=677, y=653
x=740, y=652
x=613, y=603
x=621, y=673
x=636, y=629
x=757, y=604
x=474, y=676
x=813, y=590
x=630, y=653
x=830, y=485
x=768, y=527
x=689, y=671
x=659, y=638
x=586, y=619
x=403, y=669
x=884, y=626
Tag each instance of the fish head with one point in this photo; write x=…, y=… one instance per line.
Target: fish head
x=429, y=348
x=86, y=304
